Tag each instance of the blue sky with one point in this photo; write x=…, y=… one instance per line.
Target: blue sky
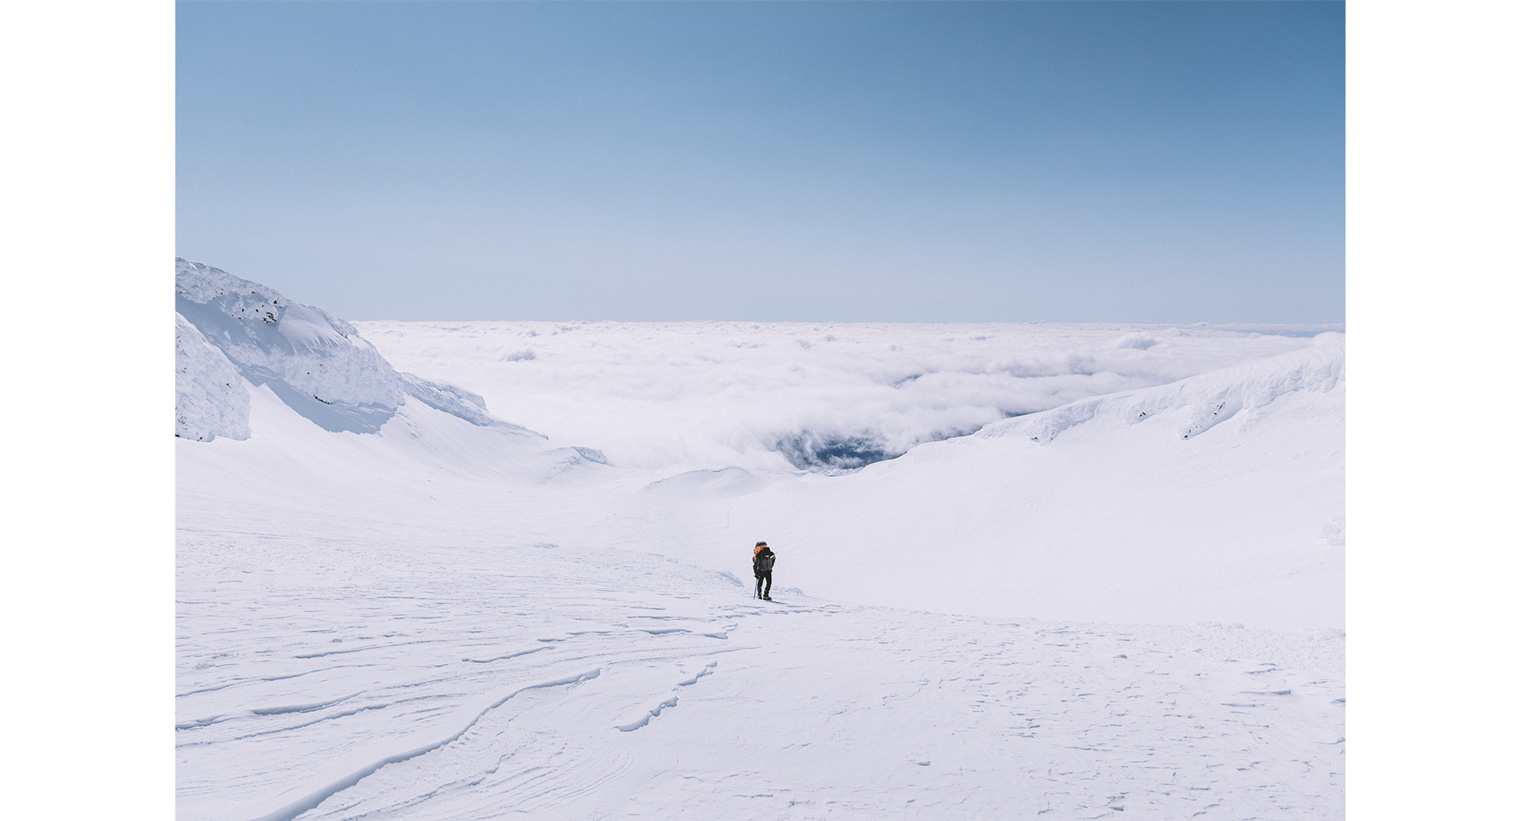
x=1137, y=161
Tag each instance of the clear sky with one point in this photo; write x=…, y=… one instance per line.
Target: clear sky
x=1078, y=161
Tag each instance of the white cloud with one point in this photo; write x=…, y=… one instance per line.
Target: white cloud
x=718, y=394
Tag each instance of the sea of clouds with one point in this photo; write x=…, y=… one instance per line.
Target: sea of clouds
x=790, y=396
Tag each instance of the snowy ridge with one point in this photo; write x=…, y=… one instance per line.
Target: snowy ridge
x=1200, y=402
x=316, y=363
x=456, y=401
x=267, y=334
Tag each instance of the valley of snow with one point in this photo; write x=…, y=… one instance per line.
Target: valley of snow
x=510, y=578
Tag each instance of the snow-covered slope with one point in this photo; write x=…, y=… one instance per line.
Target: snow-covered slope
x=1219, y=497
x=373, y=675
x=392, y=604
x=1215, y=497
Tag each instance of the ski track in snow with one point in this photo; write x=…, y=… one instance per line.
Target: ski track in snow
x=356, y=680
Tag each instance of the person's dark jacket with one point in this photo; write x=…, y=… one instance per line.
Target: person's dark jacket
x=764, y=561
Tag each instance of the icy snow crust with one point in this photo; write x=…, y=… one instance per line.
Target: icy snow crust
x=1130, y=602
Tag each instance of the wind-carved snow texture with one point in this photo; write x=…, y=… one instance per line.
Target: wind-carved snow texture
x=631, y=706
x=315, y=799
x=317, y=364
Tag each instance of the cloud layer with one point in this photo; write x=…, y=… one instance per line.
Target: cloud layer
x=767, y=396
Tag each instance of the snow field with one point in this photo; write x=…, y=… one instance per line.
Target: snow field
x=339, y=679
x=1128, y=603
x=1119, y=518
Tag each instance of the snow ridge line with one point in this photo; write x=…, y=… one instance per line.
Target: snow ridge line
x=299, y=708
x=667, y=703
x=289, y=812
x=644, y=722
x=507, y=656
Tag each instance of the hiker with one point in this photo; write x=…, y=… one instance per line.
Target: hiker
x=764, y=561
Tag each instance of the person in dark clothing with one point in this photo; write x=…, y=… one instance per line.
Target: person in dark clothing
x=764, y=561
